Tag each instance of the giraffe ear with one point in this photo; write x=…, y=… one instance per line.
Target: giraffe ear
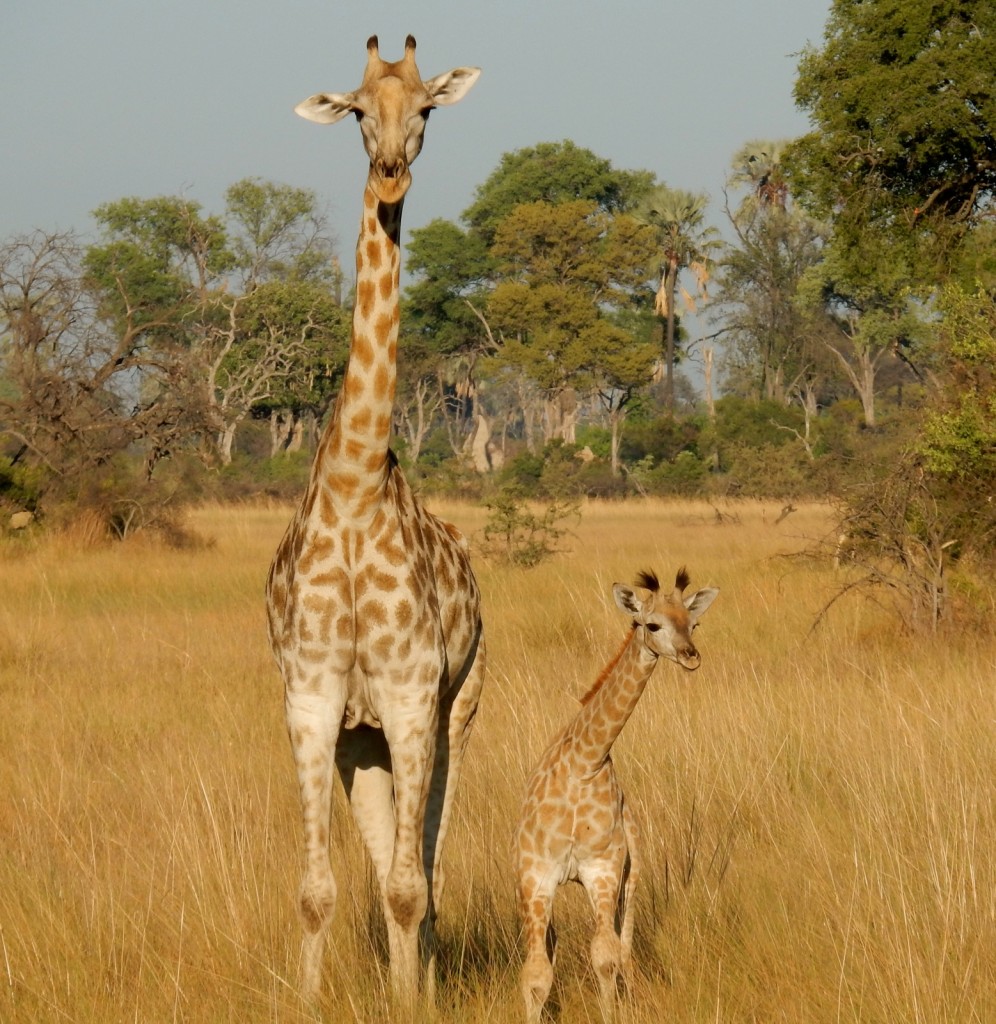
x=698, y=602
x=452, y=86
x=326, y=107
x=626, y=599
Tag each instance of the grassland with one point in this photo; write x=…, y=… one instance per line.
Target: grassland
x=818, y=809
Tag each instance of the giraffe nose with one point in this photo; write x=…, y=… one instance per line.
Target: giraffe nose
x=390, y=169
x=689, y=658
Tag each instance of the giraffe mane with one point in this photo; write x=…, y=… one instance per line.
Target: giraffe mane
x=607, y=671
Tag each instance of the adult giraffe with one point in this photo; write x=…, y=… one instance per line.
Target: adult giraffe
x=373, y=610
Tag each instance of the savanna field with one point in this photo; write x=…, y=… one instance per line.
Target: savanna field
x=817, y=806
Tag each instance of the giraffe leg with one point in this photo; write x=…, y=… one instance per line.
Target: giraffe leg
x=313, y=725
x=536, y=891
x=602, y=881
x=626, y=915
x=456, y=719
x=411, y=737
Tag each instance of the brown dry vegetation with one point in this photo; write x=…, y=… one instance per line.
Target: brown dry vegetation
x=818, y=811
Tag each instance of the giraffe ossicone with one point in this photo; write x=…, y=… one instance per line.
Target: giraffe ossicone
x=373, y=610
x=575, y=825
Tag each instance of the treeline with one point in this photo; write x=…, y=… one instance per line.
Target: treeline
x=843, y=337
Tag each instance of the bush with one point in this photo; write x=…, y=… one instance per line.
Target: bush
x=21, y=487
x=515, y=534
x=662, y=439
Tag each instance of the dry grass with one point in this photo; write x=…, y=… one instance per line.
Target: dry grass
x=818, y=814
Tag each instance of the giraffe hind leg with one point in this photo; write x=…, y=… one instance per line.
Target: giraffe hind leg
x=626, y=908
x=603, y=883
x=410, y=733
x=456, y=718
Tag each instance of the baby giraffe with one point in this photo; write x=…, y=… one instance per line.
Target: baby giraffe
x=575, y=825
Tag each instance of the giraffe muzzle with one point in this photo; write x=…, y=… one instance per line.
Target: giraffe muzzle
x=689, y=659
x=390, y=180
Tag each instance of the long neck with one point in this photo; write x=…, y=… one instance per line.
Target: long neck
x=353, y=455
x=608, y=704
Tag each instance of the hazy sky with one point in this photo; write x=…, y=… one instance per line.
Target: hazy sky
x=102, y=100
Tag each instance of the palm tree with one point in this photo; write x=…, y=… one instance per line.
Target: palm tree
x=759, y=166
x=686, y=243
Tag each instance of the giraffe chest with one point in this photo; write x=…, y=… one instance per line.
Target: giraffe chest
x=356, y=605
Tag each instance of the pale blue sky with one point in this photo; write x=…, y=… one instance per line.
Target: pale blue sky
x=109, y=99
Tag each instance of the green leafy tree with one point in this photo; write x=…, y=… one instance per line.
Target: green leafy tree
x=772, y=342
x=183, y=285
x=863, y=292
x=904, y=123
x=281, y=353
x=279, y=233
x=445, y=333
x=564, y=267
x=464, y=278
x=959, y=434
x=552, y=173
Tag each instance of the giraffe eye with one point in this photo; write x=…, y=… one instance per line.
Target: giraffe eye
x=653, y=627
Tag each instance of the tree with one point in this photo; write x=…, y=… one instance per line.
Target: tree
x=684, y=242
x=772, y=346
x=564, y=267
x=279, y=349
x=72, y=404
x=473, y=294
x=904, y=124
x=899, y=164
x=552, y=173
x=443, y=324
x=279, y=233
x=184, y=284
x=280, y=241
x=759, y=167
x=772, y=342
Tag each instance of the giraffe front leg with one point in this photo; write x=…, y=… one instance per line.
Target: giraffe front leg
x=313, y=725
x=536, y=889
x=603, y=883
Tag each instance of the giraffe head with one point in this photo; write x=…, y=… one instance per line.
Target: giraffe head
x=392, y=105
x=666, y=621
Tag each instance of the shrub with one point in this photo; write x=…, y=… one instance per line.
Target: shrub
x=515, y=534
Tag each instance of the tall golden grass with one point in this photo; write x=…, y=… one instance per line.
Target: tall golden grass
x=818, y=812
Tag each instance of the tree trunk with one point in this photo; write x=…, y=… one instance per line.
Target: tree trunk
x=616, y=418
x=670, y=285
x=568, y=415
x=296, y=441
x=862, y=377
x=479, y=445
x=709, y=401
x=281, y=425
x=226, y=438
